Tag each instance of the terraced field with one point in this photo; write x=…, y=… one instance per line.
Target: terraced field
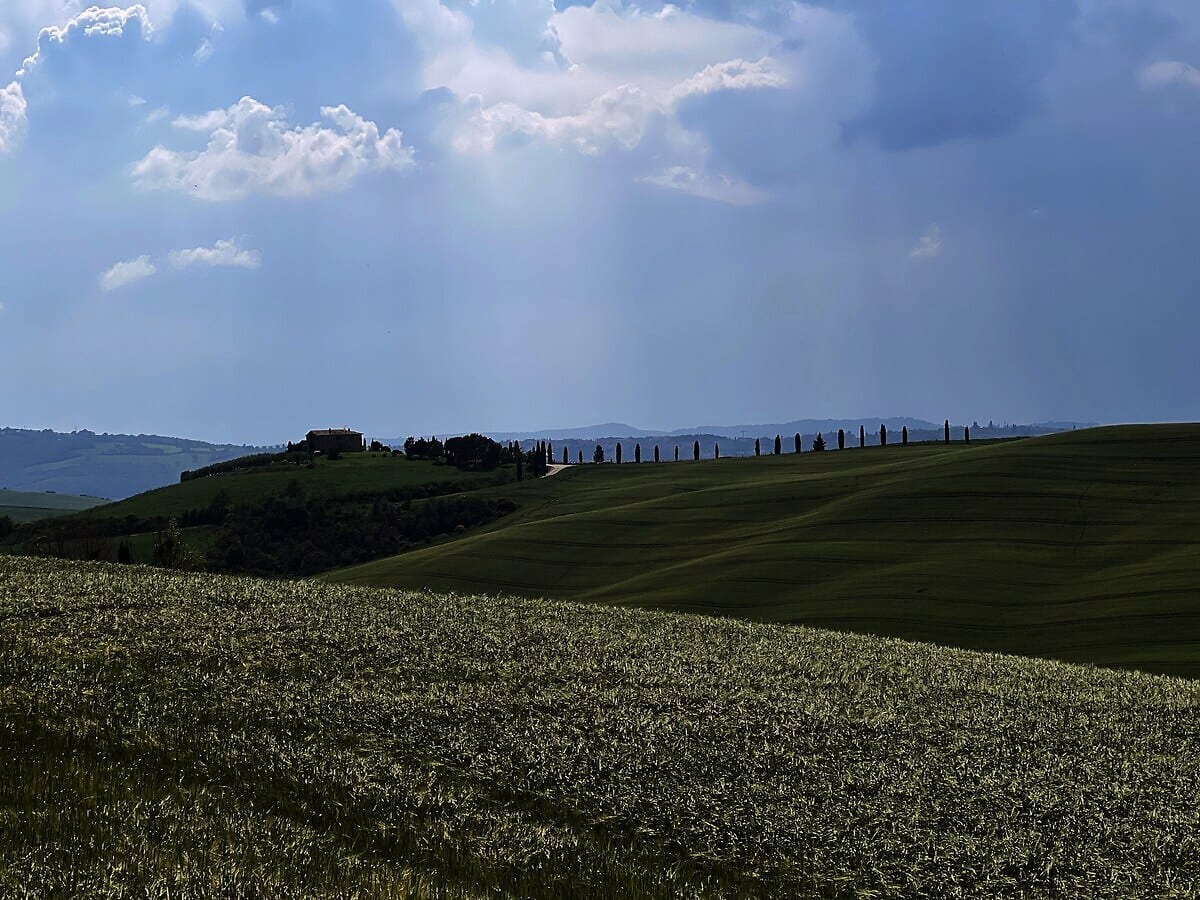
x=1082, y=546
x=168, y=735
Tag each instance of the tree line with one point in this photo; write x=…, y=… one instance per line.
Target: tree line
x=818, y=445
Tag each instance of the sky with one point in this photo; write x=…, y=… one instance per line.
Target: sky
x=236, y=220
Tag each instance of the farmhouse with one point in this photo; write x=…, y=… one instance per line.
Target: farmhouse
x=341, y=439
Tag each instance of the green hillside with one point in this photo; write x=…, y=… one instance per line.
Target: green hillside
x=31, y=506
x=1082, y=546
x=355, y=474
x=205, y=736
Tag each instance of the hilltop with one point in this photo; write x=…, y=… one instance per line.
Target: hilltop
x=247, y=738
x=1080, y=546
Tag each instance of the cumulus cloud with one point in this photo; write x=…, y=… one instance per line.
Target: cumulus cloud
x=1170, y=72
x=127, y=273
x=12, y=116
x=698, y=183
x=930, y=244
x=734, y=75
x=253, y=149
x=95, y=21
x=619, y=116
x=223, y=253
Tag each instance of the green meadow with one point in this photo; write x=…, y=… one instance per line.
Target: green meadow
x=194, y=735
x=32, y=506
x=353, y=475
x=1079, y=546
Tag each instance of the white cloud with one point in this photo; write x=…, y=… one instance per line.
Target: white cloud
x=1169, y=72
x=930, y=244
x=223, y=253
x=720, y=188
x=126, y=273
x=93, y=22
x=734, y=75
x=207, y=47
x=252, y=149
x=523, y=68
x=269, y=16
x=209, y=121
x=12, y=116
x=620, y=116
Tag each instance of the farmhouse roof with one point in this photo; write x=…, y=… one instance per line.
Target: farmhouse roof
x=330, y=432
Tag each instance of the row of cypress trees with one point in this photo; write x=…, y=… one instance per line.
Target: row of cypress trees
x=818, y=444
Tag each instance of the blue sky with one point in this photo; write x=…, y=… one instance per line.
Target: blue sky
x=236, y=220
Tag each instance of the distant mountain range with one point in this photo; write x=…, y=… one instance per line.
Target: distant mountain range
x=112, y=466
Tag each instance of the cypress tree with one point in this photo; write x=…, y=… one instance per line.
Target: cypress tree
x=797, y=442
x=966, y=435
x=676, y=453
x=882, y=435
x=778, y=445
x=818, y=443
x=581, y=457
x=637, y=453
x=947, y=430
x=841, y=438
x=520, y=466
x=549, y=452
x=696, y=451
x=862, y=437
x=757, y=447
x=564, y=456
x=618, y=453
x=656, y=453
x=904, y=435
x=716, y=451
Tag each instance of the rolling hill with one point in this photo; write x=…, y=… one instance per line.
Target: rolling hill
x=355, y=474
x=101, y=465
x=1083, y=546
x=198, y=735
x=30, y=506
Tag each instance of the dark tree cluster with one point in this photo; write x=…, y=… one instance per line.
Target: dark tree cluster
x=424, y=448
x=288, y=536
x=473, y=452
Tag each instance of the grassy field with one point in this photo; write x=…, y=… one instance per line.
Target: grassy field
x=30, y=506
x=353, y=474
x=194, y=735
x=1082, y=546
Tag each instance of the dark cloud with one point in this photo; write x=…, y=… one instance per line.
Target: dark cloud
x=949, y=69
